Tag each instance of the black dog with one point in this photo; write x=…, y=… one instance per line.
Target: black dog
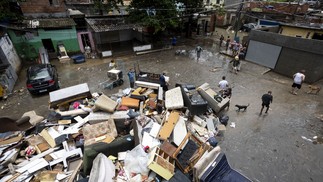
x=244, y=107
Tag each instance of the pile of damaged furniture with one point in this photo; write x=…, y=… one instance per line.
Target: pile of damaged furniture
x=137, y=134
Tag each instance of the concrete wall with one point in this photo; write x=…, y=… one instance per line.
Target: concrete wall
x=28, y=48
x=8, y=78
x=9, y=54
x=296, y=31
x=296, y=54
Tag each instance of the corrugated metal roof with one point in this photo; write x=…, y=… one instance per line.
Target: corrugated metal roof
x=50, y=23
x=109, y=24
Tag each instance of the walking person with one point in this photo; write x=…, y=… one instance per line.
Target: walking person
x=299, y=78
x=266, y=100
x=221, y=40
x=198, y=52
x=235, y=64
x=131, y=75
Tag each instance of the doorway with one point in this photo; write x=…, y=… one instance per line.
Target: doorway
x=85, y=40
x=48, y=44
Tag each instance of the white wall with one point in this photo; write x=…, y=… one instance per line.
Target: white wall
x=10, y=53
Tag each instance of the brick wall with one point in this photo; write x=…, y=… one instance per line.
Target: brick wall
x=42, y=6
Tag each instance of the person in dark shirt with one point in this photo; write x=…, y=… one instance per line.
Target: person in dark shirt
x=131, y=75
x=162, y=81
x=266, y=100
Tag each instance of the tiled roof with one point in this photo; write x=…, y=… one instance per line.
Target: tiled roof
x=50, y=23
x=109, y=24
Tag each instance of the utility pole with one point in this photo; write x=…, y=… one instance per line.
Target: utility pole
x=238, y=15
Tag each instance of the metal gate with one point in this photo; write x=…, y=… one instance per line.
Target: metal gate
x=263, y=53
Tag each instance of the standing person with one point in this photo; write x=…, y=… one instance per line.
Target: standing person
x=227, y=43
x=131, y=75
x=266, y=100
x=223, y=84
x=112, y=64
x=174, y=41
x=299, y=77
x=87, y=51
x=162, y=81
x=235, y=48
x=198, y=52
x=235, y=64
x=221, y=40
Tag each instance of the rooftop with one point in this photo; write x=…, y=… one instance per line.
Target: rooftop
x=109, y=24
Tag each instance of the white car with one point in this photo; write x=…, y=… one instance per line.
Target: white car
x=249, y=26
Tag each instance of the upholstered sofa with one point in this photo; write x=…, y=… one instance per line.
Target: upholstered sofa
x=215, y=101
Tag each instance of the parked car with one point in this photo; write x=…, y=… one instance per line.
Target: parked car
x=42, y=78
x=249, y=26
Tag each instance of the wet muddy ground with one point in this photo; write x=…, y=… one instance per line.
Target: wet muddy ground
x=264, y=148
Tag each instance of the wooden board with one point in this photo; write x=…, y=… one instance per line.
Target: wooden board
x=168, y=125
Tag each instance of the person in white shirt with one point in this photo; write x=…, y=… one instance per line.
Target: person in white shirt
x=299, y=78
x=223, y=84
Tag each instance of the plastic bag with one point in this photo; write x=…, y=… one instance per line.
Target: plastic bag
x=136, y=161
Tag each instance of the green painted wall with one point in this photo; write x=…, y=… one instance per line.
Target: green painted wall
x=27, y=46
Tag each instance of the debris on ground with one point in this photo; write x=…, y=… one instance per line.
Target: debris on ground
x=139, y=134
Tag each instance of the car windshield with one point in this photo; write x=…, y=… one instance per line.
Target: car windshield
x=39, y=74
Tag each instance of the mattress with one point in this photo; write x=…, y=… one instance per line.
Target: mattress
x=174, y=99
x=147, y=84
x=99, y=132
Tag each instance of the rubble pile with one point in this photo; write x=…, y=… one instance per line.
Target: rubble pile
x=139, y=134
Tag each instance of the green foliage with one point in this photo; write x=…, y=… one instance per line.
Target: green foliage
x=107, y=6
x=157, y=14
x=8, y=12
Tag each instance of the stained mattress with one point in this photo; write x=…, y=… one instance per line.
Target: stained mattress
x=174, y=99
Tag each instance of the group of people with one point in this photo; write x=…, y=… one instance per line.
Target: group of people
x=266, y=98
x=298, y=79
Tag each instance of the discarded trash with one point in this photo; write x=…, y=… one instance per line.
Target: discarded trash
x=310, y=140
x=233, y=125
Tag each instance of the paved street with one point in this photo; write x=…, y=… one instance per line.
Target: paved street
x=265, y=148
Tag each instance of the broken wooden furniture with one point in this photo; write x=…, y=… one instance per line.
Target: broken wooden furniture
x=161, y=163
x=66, y=95
x=168, y=125
x=189, y=152
x=215, y=101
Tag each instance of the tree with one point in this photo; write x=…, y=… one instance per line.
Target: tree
x=10, y=10
x=191, y=7
x=107, y=6
x=155, y=14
